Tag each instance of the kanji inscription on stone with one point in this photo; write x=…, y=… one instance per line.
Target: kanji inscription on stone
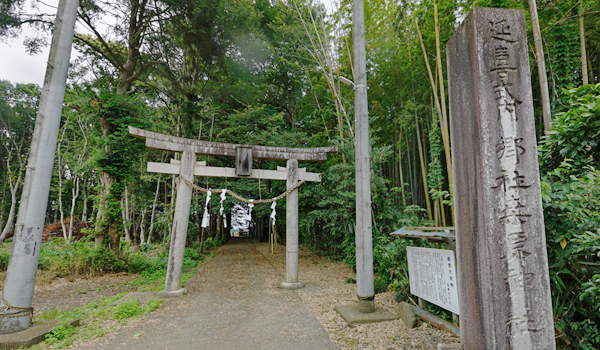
x=501, y=248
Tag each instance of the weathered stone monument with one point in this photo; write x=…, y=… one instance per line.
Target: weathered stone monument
x=501, y=247
x=187, y=168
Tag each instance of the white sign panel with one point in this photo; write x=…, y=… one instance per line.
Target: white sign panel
x=432, y=275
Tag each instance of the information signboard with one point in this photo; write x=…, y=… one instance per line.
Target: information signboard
x=432, y=275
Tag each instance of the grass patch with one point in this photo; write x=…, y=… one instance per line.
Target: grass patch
x=149, y=263
x=97, y=319
x=152, y=266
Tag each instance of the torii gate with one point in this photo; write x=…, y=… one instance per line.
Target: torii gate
x=188, y=168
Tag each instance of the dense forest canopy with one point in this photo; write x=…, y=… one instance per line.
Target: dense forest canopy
x=266, y=72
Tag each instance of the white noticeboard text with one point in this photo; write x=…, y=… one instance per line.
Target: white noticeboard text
x=432, y=276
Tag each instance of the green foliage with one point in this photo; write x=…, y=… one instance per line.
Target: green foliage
x=152, y=263
x=60, y=333
x=569, y=157
x=572, y=218
x=60, y=259
x=118, y=151
x=93, y=317
x=4, y=257
x=380, y=284
x=133, y=308
x=434, y=175
x=575, y=133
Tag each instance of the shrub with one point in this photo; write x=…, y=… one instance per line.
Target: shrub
x=569, y=155
x=59, y=259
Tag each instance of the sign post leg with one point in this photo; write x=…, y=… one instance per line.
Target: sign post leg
x=291, y=235
x=180, y=225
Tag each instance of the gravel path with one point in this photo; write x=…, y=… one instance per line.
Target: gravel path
x=233, y=303
x=326, y=288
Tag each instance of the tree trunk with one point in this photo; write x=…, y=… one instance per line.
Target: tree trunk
x=151, y=229
x=541, y=63
x=202, y=241
x=60, y=188
x=75, y=193
x=444, y=127
x=125, y=216
x=107, y=222
x=584, y=70
x=85, y=203
x=219, y=225
x=441, y=114
x=142, y=233
x=423, y=171
x=14, y=187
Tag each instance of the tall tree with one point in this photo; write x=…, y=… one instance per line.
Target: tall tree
x=134, y=21
x=18, y=106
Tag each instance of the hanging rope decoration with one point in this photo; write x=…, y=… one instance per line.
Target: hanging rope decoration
x=250, y=202
x=221, y=211
x=205, y=217
x=242, y=199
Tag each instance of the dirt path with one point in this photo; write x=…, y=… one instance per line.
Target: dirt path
x=233, y=303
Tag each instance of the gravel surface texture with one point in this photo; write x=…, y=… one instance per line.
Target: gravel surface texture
x=232, y=303
x=326, y=288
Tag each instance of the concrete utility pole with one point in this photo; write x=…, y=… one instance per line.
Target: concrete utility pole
x=17, y=295
x=365, y=289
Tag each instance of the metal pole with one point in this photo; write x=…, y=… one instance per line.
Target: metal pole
x=25, y=252
x=365, y=289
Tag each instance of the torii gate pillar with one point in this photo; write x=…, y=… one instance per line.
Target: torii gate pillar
x=291, y=229
x=181, y=218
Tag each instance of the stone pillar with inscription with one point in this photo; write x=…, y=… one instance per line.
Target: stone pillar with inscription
x=504, y=283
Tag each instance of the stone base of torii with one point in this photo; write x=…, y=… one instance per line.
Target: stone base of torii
x=188, y=167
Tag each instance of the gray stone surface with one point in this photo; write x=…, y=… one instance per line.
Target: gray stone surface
x=504, y=282
x=173, y=293
x=407, y=314
x=233, y=302
x=351, y=315
x=450, y=347
x=32, y=335
x=181, y=218
x=291, y=285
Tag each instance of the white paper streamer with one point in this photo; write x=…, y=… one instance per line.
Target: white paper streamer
x=223, y=193
x=273, y=212
x=250, y=206
x=205, y=220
